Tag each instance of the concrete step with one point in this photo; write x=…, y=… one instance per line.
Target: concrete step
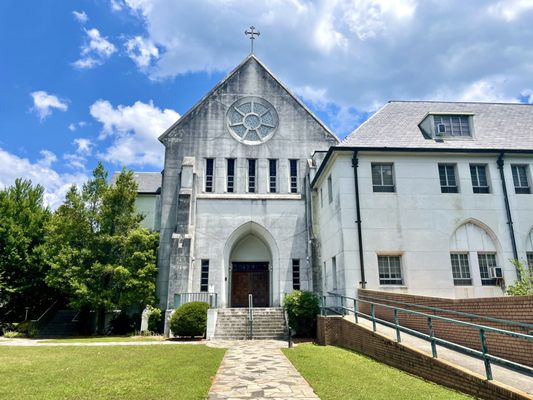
x=268, y=323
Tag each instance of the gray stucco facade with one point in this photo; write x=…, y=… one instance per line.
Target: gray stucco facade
x=206, y=222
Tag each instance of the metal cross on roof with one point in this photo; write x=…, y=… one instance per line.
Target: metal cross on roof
x=252, y=32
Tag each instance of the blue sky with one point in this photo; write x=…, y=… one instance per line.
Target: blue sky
x=89, y=80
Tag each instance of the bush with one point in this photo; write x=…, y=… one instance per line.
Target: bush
x=524, y=285
x=154, y=319
x=190, y=319
x=122, y=325
x=302, y=309
x=13, y=334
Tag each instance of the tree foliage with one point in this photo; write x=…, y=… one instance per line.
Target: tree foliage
x=524, y=285
x=99, y=255
x=22, y=264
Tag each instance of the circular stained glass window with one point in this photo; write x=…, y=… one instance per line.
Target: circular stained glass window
x=252, y=120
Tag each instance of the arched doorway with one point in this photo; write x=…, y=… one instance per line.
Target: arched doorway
x=251, y=257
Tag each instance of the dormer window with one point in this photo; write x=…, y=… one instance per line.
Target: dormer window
x=452, y=125
x=447, y=126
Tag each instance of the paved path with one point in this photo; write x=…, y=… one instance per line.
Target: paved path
x=257, y=369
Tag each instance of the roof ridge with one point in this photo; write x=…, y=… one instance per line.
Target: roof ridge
x=460, y=102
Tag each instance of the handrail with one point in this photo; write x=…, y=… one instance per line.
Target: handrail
x=461, y=313
x=44, y=313
x=482, y=329
x=188, y=297
x=250, y=316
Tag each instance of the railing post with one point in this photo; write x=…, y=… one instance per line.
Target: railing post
x=432, y=338
x=373, y=314
x=486, y=360
x=251, y=315
x=397, y=325
x=342, y=306
x=355, y=311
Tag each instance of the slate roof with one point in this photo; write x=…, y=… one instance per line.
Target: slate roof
x=148, y=182
x=496, y=126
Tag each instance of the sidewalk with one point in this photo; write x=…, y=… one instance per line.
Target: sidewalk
x=500, y=374
x=257, y=369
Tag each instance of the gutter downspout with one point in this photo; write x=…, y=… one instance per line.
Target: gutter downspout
x=500, y=163
x=355, y=165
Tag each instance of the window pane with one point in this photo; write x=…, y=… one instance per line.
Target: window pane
x=251, y=175
x=296, y=274
x=390, y=272
x=460, y=269
x=204, y=278
x=376, y=175
x=272, y=173
x=230, y=175
x=382, y=178
x=293, y=176
x=486, y=261
x=209, y=162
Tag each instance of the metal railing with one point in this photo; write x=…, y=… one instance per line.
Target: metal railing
x=341, y=308
x=206, y=297
x=250, y=316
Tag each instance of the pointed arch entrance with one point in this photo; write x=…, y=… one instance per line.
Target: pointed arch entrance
x=251, y=255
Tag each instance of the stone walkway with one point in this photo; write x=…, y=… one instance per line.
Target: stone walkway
x=257, y=369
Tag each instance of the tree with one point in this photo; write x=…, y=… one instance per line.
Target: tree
x=524, y=285
x=22, y=262
x=98, y=253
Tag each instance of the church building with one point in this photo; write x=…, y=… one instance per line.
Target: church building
x=259, y=198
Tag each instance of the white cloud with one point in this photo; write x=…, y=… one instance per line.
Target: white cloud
x=134, y=130
x=84, y=145
x=116, y=5
x=56, y=184
x=75, y=125
x=43, y=103
x=511, y=10
x=141, y=51
x=362, y=52
x=80, y=16
x=95, y=51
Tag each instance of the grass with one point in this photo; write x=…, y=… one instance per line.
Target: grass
x=336, y=373
x=98, y=339
x=108, y=372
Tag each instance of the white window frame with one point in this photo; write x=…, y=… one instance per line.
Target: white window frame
x=209, y=179
x=381, y=187
x=460, y=278
x=390, y=281
x=521, y=187
x=476, y=185
x=293, y=179
x=447, y=188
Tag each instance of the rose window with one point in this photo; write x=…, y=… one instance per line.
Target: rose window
x=252, y=120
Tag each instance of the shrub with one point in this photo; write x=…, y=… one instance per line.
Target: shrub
x=302, y=309
x=122, y=324
x=524, y=285
x=13, y=334
x=190, y=319
x=154, y=319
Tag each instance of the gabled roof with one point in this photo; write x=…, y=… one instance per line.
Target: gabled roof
x=147, y=182
x=249, y=58
x=501, y=126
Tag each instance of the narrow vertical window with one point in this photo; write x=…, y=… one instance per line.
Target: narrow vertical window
x=330, y=190
x=209, y=169
x=296, y=274
x=448, y=181
x=390, y=270
x=382, y=178
x=321, y=200
x=480, y=183
x=252, y=172
x=230, y=182
x=272, y=176
x=460, y=269
x=529, y=256
x=204, y=276
x=334, y=272
x=486, y=262
x=293, y=164
x=520, y=179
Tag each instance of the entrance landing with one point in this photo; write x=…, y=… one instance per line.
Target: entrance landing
x=258, y=370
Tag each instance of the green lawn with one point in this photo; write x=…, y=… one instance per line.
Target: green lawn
x=335, y=373
x=108, y=372
x=105, y=339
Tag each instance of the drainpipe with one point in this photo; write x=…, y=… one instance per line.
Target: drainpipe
x=355, y=165
x=500, y=163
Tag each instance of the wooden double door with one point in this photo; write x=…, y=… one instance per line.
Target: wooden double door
x=250, y=278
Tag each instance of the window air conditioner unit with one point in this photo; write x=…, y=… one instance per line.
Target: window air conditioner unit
x=495, y=272
x=441, y=129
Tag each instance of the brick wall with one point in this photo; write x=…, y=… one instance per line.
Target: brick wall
x=340, y=332
x=513, y=308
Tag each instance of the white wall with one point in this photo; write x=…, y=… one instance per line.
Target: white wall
x=417, y=221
